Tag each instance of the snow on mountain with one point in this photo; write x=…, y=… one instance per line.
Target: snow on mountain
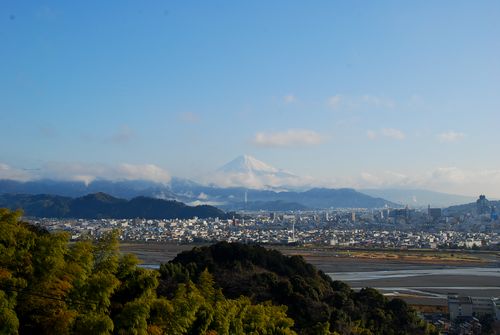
x=247, y=171
x=247, y=164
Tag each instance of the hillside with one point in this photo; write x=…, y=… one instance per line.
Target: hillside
x=50, y=286
x=316, y=198
x=126, y=189
x=468, y=208
x=101, y=205
x=418, y=197
x=317, y=304
x=186, y=191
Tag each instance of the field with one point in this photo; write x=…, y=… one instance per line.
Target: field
x=338, y=260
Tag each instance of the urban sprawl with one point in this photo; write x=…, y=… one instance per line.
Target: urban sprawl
x=380, y=228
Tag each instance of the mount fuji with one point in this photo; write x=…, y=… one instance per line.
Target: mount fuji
x=247, y=171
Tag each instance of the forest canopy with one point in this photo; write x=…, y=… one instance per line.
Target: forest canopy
x=49, y=286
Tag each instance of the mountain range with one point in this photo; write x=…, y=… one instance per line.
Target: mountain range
x=231, y=198
x=243, y=183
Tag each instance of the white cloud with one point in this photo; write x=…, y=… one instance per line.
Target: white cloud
x=448, y=175
x=391, y=133
x=142, y=172
x=87, y=172
x=203, y=196
x=376, y=101
x=334, y=101
x=289, y=99
x=464, y=181
x=289, y=138
x=449, y=179
x=189, y=117
x=383, y=179
x=450, y=136
x=360, y=102
x=9, y=172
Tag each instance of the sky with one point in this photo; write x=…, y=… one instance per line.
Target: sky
x=362, y=94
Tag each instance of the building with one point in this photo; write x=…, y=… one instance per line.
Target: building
x=402, y=214
x=483, y=205
x=459, y=306
x=434, y=213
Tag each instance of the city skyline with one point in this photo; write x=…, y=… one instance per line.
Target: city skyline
x=359, y=95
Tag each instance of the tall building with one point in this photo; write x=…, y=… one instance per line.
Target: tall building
x=434, y=213
x=494, y=214
x=483, y=205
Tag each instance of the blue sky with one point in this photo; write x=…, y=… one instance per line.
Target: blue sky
x=351, y=93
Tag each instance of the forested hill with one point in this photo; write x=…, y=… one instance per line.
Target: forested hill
x=317, y=304
x=101, y=205
x=50, y=286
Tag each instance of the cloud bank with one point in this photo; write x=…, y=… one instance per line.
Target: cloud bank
x=9, y=172
x=87, y=173
x=450, y=179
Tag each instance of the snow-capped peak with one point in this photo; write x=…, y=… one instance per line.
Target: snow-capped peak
x=247, y=171
x=247, y=164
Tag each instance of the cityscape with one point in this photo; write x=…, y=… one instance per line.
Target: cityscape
x=378, y=228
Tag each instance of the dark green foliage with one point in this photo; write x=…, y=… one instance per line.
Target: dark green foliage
x=316, y=303
x=100, y=205
x=48, y=286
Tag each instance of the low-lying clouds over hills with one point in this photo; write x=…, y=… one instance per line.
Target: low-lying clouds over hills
x=245, y=172
x=87, y=172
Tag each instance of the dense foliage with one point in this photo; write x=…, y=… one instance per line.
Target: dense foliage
x=49, y=286
x=316, y=303
x=101, y=205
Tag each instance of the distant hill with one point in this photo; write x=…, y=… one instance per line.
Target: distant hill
x=126, y=189
x=101, y=205
x=418, y=197
x=468, y=208
x=276, y=205
x=316, y=198
x=334, y=198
